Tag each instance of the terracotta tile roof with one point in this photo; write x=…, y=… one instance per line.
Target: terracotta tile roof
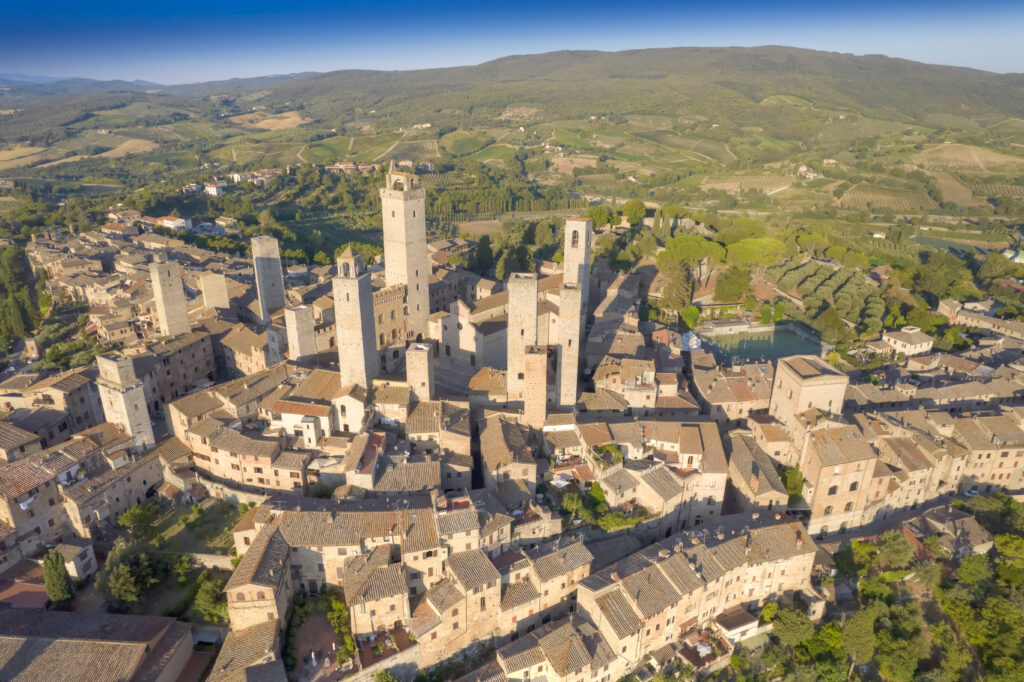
x=248, y=655
x=445, y=595
x=370, y=577
x=519, y=593
x=472, y=569
x=265, y=562
x=561, y=561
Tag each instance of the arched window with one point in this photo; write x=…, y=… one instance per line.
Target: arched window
x=345, y=269
x=398, y=185
x=575, y=238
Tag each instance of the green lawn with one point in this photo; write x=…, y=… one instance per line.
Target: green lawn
x=210, y=533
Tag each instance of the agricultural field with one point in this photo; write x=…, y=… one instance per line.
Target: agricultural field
x=710, y=151
x=463, y=142
x=21, y=156
x=475, y=228
x=1015, y=191
x=328, y=150
x=367, y=148
x=967, y=158
x=130, y=146
x=264, y=121
x=953, y=190
x=567, y=164
x=568, y=138
x=413, y=150
x=867, y=197
x=496, y=152
x=768, y=184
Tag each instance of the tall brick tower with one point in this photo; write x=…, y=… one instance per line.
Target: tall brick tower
x=403, y=203
x=522, y=327
x=579, y=237
x=266, y=261
x=169, y=296
x=353, y=314
x=570, y=313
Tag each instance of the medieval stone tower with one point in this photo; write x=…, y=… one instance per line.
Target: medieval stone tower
x=570, y=312
x=266, y=261
x=522, y=327
x=301, y=329
x=169, y=296
x=403, y=203
x=535, y=386
x=579, y=237
x=124, y=399
x=353, y=312
x=419, y=370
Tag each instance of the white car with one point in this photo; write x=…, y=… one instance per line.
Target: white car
x=971, y=493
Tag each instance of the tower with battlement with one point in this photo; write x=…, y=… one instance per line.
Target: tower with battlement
x=353, y=313
x=403, y=202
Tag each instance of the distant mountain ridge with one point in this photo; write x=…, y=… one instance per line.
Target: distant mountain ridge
x=729, y=85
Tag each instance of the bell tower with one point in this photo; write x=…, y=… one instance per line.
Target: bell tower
x=403, y=202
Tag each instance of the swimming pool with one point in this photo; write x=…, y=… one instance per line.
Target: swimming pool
x=769, y=345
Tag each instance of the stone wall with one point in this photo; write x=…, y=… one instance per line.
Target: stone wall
x=403, y=665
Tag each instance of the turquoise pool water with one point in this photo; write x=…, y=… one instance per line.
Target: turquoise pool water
x=756, y=345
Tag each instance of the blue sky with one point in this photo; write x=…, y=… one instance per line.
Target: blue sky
x=178, y=42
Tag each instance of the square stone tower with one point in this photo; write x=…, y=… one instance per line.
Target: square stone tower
x=403, y=203
x=353, y=314
x=124, y=399
x=570, y=315
x=419, y=370
x=266, y=261
x=215, y=290
x=522, y=327
x=169, y=296
x=535, y=387
x=300, y=325
x=579, y=237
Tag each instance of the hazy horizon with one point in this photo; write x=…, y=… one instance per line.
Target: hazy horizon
x=171, y=44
